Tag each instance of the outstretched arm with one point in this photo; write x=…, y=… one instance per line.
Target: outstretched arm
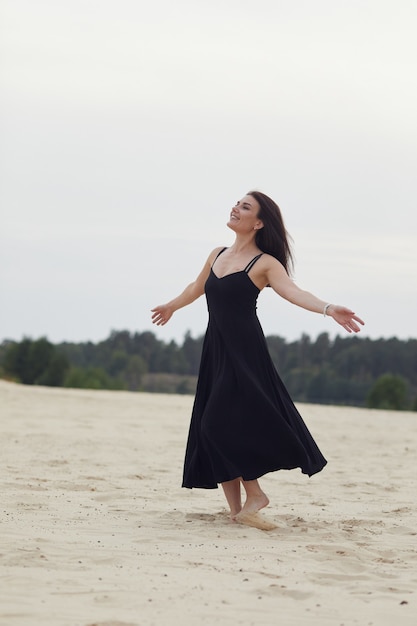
x=281, y=283
x=162, y=313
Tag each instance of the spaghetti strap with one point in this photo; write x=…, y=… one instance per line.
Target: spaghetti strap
x=252, y=263
x=217, y=256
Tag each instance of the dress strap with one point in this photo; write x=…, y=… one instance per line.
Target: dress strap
x=217, y=256
x=252, y=263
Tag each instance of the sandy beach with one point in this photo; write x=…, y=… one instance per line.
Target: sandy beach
x=96, y=530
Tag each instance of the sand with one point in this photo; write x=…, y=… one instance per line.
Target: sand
x=96, y=530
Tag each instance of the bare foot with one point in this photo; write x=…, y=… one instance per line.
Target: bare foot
x=233, y=514
x=249, y=513
x=255, y=520
x=254, y=504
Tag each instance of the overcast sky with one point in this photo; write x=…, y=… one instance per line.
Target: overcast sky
x=130, y=128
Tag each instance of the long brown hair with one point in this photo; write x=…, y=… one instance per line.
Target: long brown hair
x=273, y=237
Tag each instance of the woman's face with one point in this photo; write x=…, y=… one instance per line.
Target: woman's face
x=244, y=215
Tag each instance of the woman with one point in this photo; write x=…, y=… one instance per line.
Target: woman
x=244, y=423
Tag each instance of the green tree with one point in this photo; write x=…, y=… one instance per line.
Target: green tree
x=191, y=349
x=118, y=362
x=134, y=372
x=55, y=372
x=36, y=362
x=388, y=392
x=320, y=349
x=91, y=378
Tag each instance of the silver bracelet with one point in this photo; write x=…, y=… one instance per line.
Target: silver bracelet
x=325, y=309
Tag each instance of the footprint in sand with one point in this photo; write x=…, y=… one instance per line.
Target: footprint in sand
x=255, y=520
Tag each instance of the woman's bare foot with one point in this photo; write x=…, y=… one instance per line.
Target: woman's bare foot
x=256, y=500
x=254, y=503
x=234, y=513
x=251, y=507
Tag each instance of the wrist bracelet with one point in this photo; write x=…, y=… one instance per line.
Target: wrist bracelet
x=325, y=309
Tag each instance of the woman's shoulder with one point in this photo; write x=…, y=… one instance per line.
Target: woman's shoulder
x=267, y=263
x=268, y=259
x=215, y=253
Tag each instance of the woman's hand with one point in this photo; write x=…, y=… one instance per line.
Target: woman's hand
x=162, y=314
x=345, y=317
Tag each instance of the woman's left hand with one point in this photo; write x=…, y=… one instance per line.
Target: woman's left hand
x=345, y=317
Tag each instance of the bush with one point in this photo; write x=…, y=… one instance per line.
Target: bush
x=91, y=378
x=389, y=392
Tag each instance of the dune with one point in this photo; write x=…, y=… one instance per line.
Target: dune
x=96, y=530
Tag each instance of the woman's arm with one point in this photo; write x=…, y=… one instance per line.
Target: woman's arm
x=281, y=283
x=162, y=313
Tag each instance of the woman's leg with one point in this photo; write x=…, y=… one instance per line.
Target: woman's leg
x=231, y=490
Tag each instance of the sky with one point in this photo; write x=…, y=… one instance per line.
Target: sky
x=129, y=129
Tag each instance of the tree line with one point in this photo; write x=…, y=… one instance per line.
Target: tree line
x=354, y=371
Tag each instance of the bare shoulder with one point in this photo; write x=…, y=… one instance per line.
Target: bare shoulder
x=268, y=262
x=267, y=270
x=205, y=271
x=214, y=253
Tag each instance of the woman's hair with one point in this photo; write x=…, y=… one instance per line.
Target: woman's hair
x=273, y=237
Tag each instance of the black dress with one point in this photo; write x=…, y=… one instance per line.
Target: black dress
x=244, y=422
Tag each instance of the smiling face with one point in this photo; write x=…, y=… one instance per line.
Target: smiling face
x=244, y=216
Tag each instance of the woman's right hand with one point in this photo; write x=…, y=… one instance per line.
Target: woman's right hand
x=162, y=314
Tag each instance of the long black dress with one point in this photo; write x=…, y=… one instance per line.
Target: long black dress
x=244, y=422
